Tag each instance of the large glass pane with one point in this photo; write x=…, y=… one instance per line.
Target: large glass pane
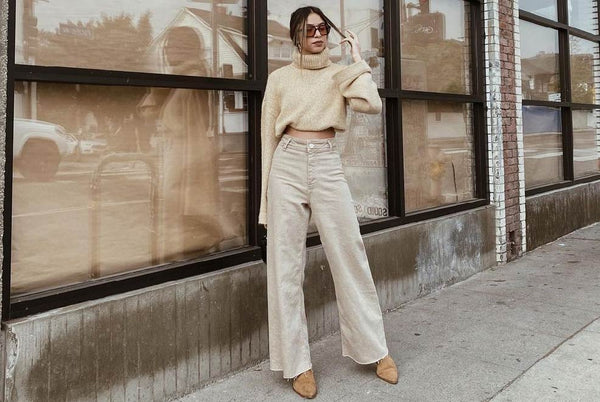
x=363, y=17
x=586, y=142
x=585, y=66
x=436, y=55
x=439, y=154
x=202, y=38
x=543, y=8
x=363, y=153
x=110, y=179
x=583, y=14
x=543, y=145
x=540, y=77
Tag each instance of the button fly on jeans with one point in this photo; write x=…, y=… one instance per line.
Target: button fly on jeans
x=311, y=145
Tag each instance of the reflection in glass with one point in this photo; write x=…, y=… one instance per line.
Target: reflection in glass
x=362, y=150
x=543, y=8
x=132, y=36
x=439, y=154
x=110, y=179
x=542, y=140
x=586, y=142
x=363, y=154
x=540, y=77
x=436, y=55
x=583, y=14
x=584, y=70
x=363, y=17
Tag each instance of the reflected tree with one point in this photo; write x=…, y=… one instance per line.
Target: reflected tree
x=108, y=43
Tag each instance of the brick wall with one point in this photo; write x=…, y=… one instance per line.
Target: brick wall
x=511, y=127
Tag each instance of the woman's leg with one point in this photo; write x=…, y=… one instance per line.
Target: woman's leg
x=287, y=215
x=361, y=324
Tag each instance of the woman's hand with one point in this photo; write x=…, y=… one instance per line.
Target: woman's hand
x=352, y=39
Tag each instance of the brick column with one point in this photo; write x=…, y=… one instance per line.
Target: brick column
x=514, y=179
x=494, y=122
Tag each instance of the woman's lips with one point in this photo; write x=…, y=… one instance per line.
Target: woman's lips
x=319, y=42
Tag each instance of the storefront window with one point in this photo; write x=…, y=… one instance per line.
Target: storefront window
x=586, y=142
x=436, y=55
x=542, y=145
x=439, y=155
x=540, y=78
x=363, y=17
x=151, y=36
x=583, y=14
x=543, y=8
x=584, y=70
x=110, y=179
x=362, y=150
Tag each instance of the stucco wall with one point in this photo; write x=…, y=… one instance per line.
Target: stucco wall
x=164, y=341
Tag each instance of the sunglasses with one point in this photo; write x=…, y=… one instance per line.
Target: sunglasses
x=311, y=30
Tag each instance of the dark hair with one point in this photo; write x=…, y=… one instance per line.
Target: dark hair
x=298, y=21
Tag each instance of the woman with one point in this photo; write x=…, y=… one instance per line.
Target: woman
x=304, y=104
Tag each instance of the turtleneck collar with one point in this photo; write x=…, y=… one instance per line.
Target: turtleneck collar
x=313, y=61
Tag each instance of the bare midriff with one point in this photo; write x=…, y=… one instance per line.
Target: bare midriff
x=310, y=135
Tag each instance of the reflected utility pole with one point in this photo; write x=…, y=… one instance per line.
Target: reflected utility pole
x=342, y=26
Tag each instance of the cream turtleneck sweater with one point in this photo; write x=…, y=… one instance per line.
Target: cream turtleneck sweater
x=311, y=94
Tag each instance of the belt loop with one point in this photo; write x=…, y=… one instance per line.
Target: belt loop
x=287, y=142
x=330, y=144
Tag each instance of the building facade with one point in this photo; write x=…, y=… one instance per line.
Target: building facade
x=132, y=257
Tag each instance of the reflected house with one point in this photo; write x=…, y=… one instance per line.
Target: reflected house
x=280, y=45
x=231, y=40
x=540, y=77
x=232, y=43
x=231, y=63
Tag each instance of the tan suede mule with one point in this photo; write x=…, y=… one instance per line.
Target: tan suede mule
x=304, y=384
x=387, y=370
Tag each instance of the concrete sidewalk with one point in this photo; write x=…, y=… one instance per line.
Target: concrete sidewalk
x=528, y=330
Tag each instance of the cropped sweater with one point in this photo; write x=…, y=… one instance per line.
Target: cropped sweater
x=311, y=94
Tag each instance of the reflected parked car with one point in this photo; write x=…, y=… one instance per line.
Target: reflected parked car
x=39, y=146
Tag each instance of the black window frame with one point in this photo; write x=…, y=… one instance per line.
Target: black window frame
x=392, y=96
x=566, y=105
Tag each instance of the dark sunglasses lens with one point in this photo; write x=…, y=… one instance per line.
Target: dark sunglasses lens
x=311, y=30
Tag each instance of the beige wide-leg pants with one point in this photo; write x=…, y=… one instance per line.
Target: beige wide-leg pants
x=306, y=178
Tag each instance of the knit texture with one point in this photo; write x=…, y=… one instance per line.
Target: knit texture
x=311, y=94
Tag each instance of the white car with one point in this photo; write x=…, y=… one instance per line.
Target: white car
x=39, y=146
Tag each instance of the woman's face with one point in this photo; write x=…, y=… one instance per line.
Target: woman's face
x=317, y=43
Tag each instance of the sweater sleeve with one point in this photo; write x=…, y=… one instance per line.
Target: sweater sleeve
x=269, y=113
x=357, y=86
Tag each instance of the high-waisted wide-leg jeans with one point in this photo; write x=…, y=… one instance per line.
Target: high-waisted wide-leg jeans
x=306, y=178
